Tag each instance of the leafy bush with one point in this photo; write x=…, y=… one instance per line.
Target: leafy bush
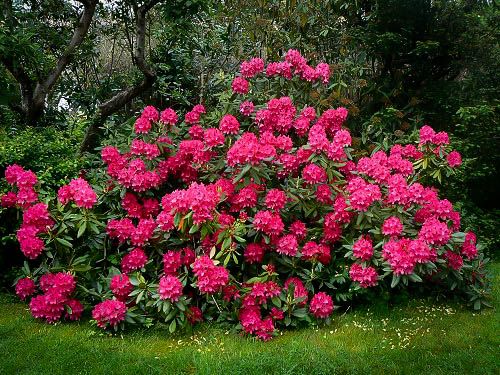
x=50, y=152
x=266, y=213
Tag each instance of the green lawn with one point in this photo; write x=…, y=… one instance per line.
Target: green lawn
x=419, y=337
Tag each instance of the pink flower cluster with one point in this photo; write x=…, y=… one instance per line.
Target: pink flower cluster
x=36, y=220
x=248, y=149
x=25, y=287
x=269, y=223
x=199, y=198
x=363, y=248
x=430, y=138
x=250, y=315
x=24, y=181
x=79, y=191
x=321, y=305
x=50, y=306
x=134, y=260
x=211, y=278
x=365, y=276
x=121, y=287
x=170, y=288
x=124, y=229
x=131, y=173
x=403, y=255
x=110, y=312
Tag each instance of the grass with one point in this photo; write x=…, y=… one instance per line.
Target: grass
x=414, y=338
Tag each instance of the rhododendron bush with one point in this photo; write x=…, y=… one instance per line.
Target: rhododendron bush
x=258, y=213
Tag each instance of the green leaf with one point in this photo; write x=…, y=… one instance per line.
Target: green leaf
x=300, y=313
x=395, y=280
x=82, y=229
x=242, y=173
x=276, y=301
x=64, y=242
x=139, y=297
x=82, y=268
x=172, y=326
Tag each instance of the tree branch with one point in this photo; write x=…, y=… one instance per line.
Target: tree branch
x=122, y=98
x=43, y=88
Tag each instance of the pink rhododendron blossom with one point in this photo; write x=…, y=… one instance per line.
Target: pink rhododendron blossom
x=168, y=116
x=288, y=245
x=314, y=174
x=454, y=159
x=121, y=287
x=170, y=288
x=229, y=124
x=363, y=248
x=211, y=278
x=321, y=305
x=110, y=312
x=247, y=108
x=134, y=260
x=365, y=276
x=254, y=253
x=240, y=85
x=268, y=222
x=392, y=226
x=25, y=287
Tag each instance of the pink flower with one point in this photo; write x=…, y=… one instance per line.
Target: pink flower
x=247, y=108
x=150, y=113
x=400, y=256
x=170, y=288
x=454, y=159
x=254, y=66
x=469, y=247
x=134, y=260
x=171, y=262
x=211, y=278
x=74, y=309
x=229, y=125
x=299, y=290
x=314, y=174
x=25, y=287
x=276, y=199
x=165, y=221
x=268, y=222
x=324, y=194
x=9, y=199
x=213, y=137
x=168, y=116
x=142, y=125
x=240, y=85
x=426, y=134
x=298, y=228
x=392, y=226
x=110, y=312
x=321, y=305
x=441, y=138
x=435, y=232
x=254, y=253
x=323, y=72
x=288, y=245
x=363, y=248
x=365, y=276
x=455, y=261
x=121, y=287
x=61, y=283
x=47, y=306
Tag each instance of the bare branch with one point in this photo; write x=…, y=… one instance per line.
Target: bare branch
x=43, y=88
